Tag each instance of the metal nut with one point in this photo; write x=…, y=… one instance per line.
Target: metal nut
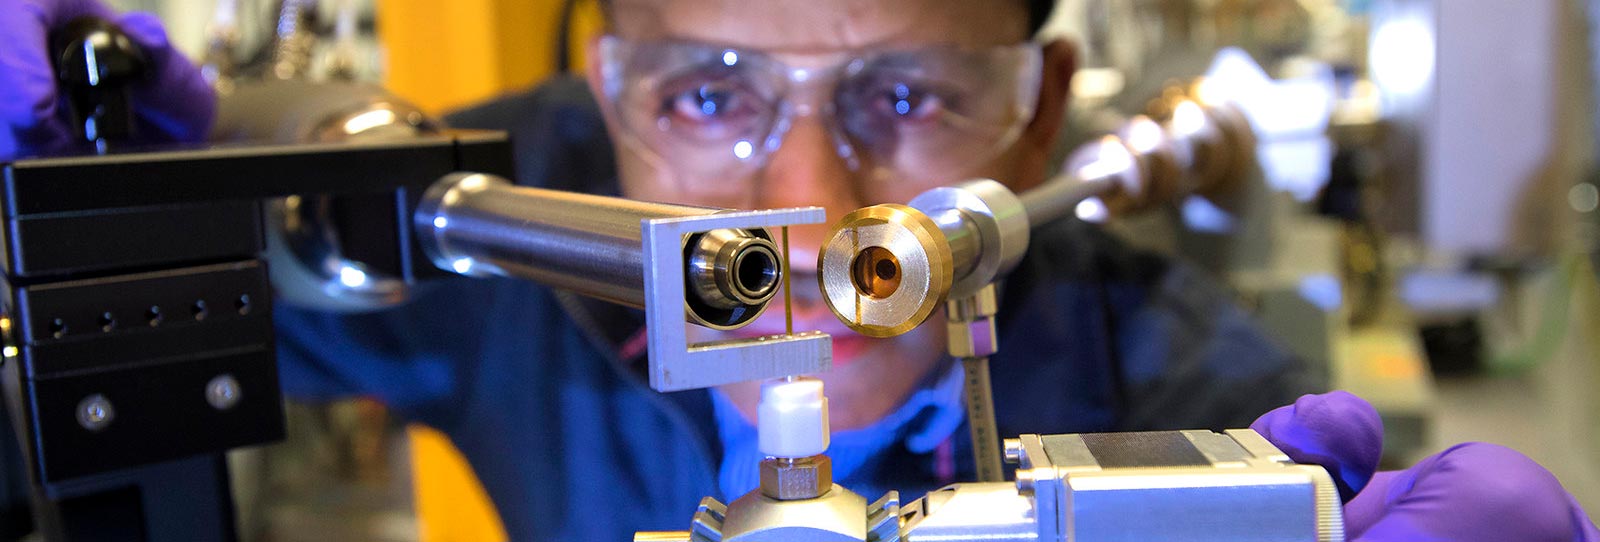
x=788, y=479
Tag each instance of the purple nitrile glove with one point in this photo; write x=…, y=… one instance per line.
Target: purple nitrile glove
x=1471, y=492
x=172, y=103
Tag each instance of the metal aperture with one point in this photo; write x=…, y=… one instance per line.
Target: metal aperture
x=481, y=225
x=729, y=268
x=884, y=269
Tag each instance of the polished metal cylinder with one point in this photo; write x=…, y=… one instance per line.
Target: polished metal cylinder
x=482, y=225
x=962, y=234
x=1059, y=197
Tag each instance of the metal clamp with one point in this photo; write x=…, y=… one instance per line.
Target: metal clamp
x=675, y=363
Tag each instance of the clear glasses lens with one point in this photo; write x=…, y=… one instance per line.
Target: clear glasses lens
x=931, y=114
x=695, y=106
x=717, y=113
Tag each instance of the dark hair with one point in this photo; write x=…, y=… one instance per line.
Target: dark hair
x=1039, y=13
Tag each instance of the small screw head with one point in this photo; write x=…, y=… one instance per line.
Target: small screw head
x=223, y=392
x=1013, y=451
x=95, y=412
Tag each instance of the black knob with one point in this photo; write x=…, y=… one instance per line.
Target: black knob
x=96, y=64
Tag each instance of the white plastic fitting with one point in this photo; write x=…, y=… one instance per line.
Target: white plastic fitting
x=792, y=419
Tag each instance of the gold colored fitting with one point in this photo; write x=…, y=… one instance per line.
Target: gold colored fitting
x=884, y=269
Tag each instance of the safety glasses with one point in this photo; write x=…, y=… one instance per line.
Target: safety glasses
x=713, y=115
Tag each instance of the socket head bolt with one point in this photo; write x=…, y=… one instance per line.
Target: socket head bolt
x=223, y=392
x=95, y=412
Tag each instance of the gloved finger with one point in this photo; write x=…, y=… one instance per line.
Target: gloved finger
x=27, y=80
x=1469, y=493
x=1337, y=430
x=173, y=101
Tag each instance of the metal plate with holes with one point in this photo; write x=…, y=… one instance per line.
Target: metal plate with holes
x=121, y=368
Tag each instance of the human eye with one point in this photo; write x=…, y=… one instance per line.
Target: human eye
x=710, y=98
x=906, y=101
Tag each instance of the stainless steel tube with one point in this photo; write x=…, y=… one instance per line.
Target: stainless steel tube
x=961, y=233
x=477, y=224
x=1059, y=197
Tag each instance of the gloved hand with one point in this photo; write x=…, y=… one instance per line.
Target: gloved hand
x=1471, y=492
x=173, y=102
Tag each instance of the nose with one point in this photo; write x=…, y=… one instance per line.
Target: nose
x=807, y=170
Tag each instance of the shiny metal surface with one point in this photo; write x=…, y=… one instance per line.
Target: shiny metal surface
x=1181, y=486
x=309, y=267
x=788, y=479
x=970, y=325
x=884, y=269
x=481, y=225
x=972, y=338
x=1190, y=485
x=1157, y=153
x=675, y=363
x=980, y=418
x=1214, y=144
x=970, y=512
x=837, y=516
x=986, y=227
x=729, y=268
x=1195, y=148
x=1058, y=198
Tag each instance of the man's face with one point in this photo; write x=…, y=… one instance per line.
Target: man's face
x=807, y=166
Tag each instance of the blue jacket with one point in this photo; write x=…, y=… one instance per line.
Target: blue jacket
x=571, y=444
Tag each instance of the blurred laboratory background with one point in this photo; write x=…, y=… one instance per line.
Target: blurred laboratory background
x=1423, y=225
